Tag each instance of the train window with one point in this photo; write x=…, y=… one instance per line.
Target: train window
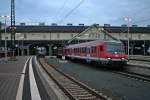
x=88, y=50
x=101, y=48
x=76, y=50
x=71, y=51
x=94, y=49
x=148, y=50
x=115, y=48
x=83, y=50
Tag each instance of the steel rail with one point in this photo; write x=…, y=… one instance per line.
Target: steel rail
x=134, y=76
x=146, y=60
x=140, y=58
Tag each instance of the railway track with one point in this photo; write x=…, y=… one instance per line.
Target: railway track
x=134, y=76
x=145, y=60
x=140, y=58
x=74, y=89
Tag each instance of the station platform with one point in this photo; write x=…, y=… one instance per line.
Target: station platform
x=10, y=74
x=140, y=57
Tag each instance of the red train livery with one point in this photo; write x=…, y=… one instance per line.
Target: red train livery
x=100, y=51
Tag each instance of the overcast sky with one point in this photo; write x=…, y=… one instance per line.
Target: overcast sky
x=79, y=11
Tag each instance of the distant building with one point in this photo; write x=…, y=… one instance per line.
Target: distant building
x=134, y=25
x=69, y=24
x=81, y=24
x=123, y=25
x=148, y=25
x=106, y=25
x=54, y=24
x=42, y=24
x=22, y=24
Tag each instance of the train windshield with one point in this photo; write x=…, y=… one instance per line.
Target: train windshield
x=115, y=48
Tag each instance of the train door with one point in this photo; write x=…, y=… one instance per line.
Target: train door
x=100, y=51
x=88, y=50
x=97, y=51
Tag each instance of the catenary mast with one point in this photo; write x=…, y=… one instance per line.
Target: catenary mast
x=13, y=27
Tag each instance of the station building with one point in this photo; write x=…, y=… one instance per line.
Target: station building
x=28, y=37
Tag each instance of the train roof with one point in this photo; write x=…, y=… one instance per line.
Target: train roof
x=91, y=43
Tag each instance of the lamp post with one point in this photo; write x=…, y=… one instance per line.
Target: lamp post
x=22, y=49
x=18, y=36
x=128, y=22
x=18, y=48
x=143, y=44
x=144, y=47
x=5, y=17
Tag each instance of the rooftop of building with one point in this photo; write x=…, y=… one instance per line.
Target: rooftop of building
x=74, y=29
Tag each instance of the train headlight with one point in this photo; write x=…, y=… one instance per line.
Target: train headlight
x=109, y=58
x=123, y=58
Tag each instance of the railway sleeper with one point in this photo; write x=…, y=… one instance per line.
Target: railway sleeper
x=77, y=91
x=70, y=87
x=83, y=95
x=87, y=98
x=80, y=93
x=63, y=78
x=69, y=84
x=72, y=84
x=78, y=88
x=63, y=81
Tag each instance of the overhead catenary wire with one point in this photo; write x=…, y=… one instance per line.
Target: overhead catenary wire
x=71, y=11
x=136, y=13
x=141, y=21
x=60, y=9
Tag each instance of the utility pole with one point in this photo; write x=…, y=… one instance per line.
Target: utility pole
x=13, y=28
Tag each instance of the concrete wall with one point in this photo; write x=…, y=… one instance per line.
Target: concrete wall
x=41, y=36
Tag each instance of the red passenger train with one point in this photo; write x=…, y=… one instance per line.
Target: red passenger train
x=99, y=51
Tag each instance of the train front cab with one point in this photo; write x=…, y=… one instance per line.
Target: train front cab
x=112, y=53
